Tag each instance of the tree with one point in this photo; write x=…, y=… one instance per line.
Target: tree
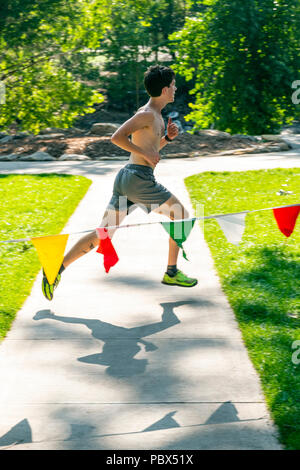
x=138, y=30
x=36, y=38
x=243, y=58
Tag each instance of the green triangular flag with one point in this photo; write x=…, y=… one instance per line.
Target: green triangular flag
x=179, y=231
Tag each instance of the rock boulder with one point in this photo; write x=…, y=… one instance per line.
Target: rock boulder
x=103, y=128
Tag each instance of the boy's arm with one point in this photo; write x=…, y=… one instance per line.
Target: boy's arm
x=172, y=132
x=138, y=121
x=163, y=142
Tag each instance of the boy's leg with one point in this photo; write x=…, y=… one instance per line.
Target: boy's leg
x=173, y=209
x=82, y=247
x=173, y=252
x=90, y=241
x=87, y=243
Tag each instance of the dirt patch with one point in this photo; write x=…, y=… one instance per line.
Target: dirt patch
x=93, y=147
x=96, y=146
x=204, y=144
x=79, y=140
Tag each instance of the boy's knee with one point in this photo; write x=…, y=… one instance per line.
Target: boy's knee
x=179, y=212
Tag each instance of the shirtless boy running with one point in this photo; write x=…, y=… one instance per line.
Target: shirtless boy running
x=135, y=184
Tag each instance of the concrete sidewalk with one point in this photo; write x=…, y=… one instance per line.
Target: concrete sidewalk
x=121, y=361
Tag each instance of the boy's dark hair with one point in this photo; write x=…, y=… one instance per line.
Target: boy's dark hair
x=156, y=78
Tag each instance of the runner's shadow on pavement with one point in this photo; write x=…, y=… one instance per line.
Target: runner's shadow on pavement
x=121, y=344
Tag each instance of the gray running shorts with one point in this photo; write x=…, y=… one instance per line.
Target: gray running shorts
x=135, y=185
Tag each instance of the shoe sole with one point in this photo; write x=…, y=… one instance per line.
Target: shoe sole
x=46, y=287
x=46, y=290
x=47, y=293
x=180, y=285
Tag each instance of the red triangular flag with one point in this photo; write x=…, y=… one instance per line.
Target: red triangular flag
x=106, y=249
x=286, y=219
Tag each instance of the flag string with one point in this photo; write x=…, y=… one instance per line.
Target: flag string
x=151, y=223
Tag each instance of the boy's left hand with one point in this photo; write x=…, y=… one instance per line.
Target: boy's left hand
x=172, y=129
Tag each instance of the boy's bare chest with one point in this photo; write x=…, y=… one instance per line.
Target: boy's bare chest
x=158, y=126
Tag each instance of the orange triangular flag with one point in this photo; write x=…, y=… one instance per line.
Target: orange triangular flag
x=51, y=253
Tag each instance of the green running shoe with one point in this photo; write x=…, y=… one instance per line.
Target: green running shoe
x=47, y=288
x=179, y=279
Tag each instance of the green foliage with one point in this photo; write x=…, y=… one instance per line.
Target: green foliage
x=243, y=58
x=137, y=31
x=238, y=59
x=38, y=40
x=46, y=96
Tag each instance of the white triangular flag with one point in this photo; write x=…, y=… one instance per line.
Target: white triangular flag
x=233, y=226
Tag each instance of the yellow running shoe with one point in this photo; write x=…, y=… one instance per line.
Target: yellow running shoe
x=47, y=288
x=180, y=279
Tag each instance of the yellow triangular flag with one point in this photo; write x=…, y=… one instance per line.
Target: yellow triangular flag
x=51, y=251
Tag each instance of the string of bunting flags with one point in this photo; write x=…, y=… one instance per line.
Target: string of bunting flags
x=51, y=248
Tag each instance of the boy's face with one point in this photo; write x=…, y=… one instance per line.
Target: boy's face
x=170, y=91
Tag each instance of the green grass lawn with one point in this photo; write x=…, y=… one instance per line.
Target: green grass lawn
x=31, y=205
x=261, y=278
